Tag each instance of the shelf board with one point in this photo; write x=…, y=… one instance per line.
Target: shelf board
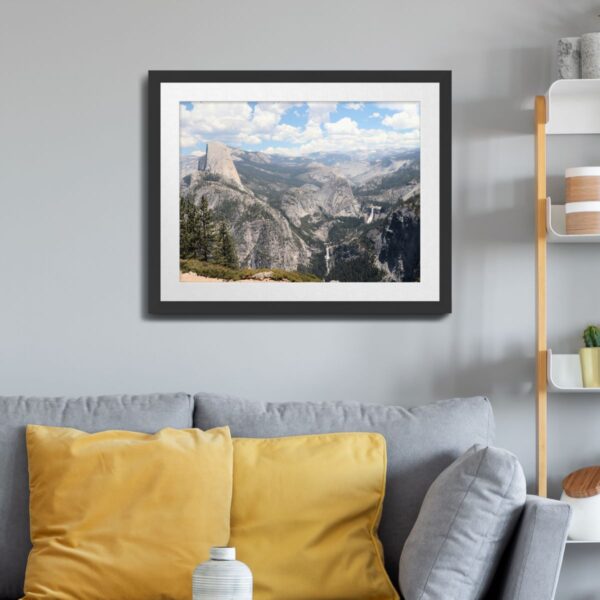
x=573, y=106
x=583, y=542
x=564, y=374
x=557, y=229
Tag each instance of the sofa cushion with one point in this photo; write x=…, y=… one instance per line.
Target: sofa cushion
x=305, y=513
x=421, y=443
x=148, y=414
x=465, y=523
x=125, y=515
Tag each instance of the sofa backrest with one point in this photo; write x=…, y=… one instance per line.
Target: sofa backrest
x=421, y=443
x=134, y=413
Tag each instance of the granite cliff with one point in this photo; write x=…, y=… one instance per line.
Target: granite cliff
x=218, y=161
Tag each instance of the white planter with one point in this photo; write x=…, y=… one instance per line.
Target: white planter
x=585, y=522
x=222, y=577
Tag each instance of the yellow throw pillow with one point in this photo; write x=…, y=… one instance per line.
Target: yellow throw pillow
x=305, y=513
x=124, y=516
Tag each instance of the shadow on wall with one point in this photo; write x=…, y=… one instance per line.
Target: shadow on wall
x=144, y=201
x=509, y=377
x=494, y=224
x=504, y=216
x=504, y=106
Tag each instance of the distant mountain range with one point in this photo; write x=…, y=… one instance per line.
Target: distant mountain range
x=343, y=217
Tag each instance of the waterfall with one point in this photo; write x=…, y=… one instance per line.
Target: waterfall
x=327, y=259
x=372, y=213
x=370, y=217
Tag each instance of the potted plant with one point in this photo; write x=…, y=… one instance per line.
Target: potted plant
x=590, y=357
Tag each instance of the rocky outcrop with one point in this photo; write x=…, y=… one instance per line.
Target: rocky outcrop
x=325, y=195
x=262, y=235
x=218, y=160
x=398, y=245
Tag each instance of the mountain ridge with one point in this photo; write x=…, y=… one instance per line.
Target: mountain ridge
x=343, y=217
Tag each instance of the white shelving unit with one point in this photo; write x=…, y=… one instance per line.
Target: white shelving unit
x=573, y=107
x=557, y=230
x=564, y=375
x=570, y=107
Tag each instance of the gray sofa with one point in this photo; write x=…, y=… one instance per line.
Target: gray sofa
x=421, y=443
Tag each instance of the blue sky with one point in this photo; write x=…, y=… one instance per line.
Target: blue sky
x=300, y=128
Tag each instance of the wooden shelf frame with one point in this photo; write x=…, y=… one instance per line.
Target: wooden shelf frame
x=541, y=265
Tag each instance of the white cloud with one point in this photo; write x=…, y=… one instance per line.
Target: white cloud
x=186, y=140
x=246, y=138
x=267, y=115
x=286, y=133
x=318, y=112
x=340, y=139
x=233, y=123
x=407, y=118
x=214, y=117
x=297, y=135
x=239, y=124
x=398, y=106
x=282, y=150
x=355, y=105
x=345, y=126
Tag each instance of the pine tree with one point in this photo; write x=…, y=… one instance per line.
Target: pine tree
x=189, y=225
x=226, y=253
x=206, y=232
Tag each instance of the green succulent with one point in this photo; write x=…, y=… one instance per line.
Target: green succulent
x=591, y=337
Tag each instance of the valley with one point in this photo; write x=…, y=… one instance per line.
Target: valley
x=334, y=217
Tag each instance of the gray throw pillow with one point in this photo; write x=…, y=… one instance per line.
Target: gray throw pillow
x=466, y=520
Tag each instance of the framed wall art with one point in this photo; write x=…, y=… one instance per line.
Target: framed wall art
x=300, y=192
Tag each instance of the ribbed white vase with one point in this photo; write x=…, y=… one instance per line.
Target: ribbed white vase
x=222, y=577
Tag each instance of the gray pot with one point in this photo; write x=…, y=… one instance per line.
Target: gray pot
x=590, y=55
x=569, y=58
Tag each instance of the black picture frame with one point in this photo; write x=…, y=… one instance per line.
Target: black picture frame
x=304, y=308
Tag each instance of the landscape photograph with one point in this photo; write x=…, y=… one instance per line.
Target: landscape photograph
x=299, y=192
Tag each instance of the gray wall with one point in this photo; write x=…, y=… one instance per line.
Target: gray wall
x=73, y=195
